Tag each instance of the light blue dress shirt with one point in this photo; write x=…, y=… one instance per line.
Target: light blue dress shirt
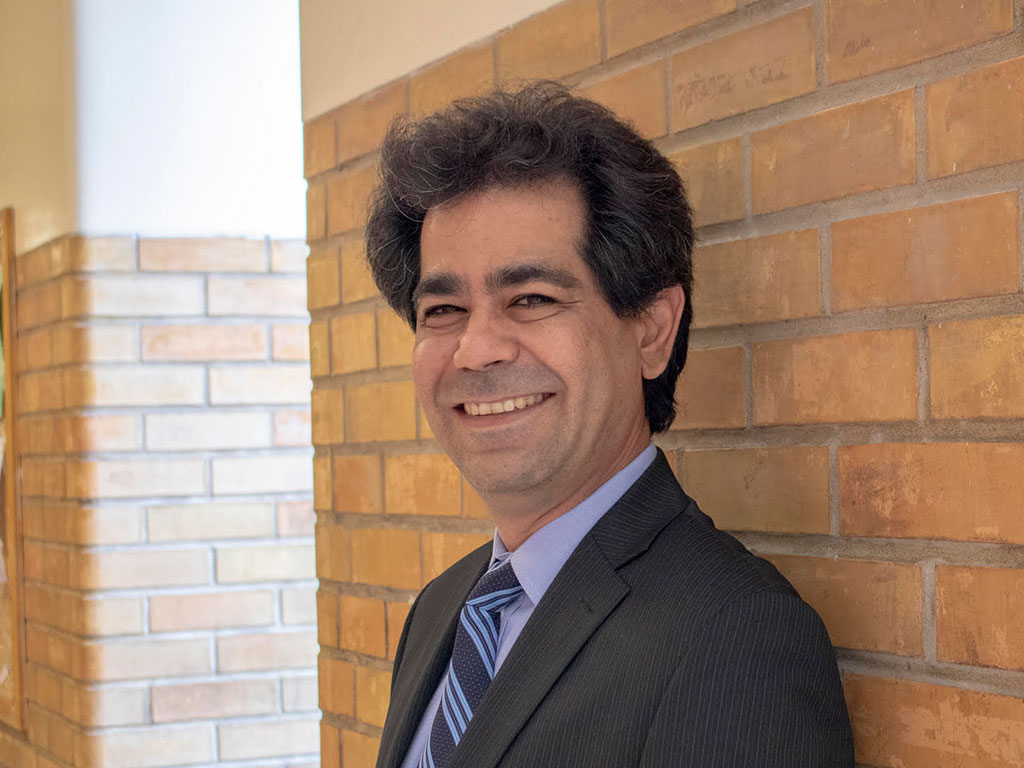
x=536, y=563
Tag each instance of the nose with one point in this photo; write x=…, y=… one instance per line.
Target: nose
x=486, y=341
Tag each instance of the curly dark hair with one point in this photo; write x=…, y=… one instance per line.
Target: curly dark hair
x=638, y=233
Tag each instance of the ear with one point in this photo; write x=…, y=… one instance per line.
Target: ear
x=659, y=323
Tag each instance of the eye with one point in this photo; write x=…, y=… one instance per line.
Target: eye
x=532, y=300
x=439, y=313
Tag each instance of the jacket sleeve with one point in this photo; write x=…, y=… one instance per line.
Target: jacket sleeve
x=760, y=688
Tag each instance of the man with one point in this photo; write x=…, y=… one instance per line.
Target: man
x=541, y=251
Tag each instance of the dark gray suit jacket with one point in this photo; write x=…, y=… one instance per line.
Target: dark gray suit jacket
x=661, y=642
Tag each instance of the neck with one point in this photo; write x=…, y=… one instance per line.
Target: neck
x=517, y=518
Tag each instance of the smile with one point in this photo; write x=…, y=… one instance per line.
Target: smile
x=502, y=406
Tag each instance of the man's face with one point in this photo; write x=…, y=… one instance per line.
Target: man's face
x=529, y=380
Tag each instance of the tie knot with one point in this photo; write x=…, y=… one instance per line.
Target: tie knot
x=496, y=589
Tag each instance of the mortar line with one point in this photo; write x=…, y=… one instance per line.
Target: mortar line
x=602, y=21
x=929, y=609
x=825, y=268
x=748, y=384
x=833, y=488
x=819, y=44
x=920, y=138
x=924, y=395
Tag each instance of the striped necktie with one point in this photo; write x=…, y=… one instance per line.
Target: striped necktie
x=472, y=666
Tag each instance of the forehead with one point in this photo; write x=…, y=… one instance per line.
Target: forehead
x=540, y=223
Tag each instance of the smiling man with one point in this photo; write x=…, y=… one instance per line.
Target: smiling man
x=541, y=251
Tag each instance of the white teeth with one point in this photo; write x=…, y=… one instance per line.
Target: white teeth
x=502, y=406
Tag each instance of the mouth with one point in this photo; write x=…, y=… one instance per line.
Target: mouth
x=507, y=405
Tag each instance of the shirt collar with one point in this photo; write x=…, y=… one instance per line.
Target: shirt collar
x=539, y=559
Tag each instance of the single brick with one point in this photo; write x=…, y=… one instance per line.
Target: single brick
x=318, y=145
x=288, y=256
x=397, y=613
x=202, y=254
x=862, y=37
x=134, y=385
x=95, y=344
x=292, y=427
x=322, y=482
x=274, y=562
x=239, y=741
x=866, y=605
x=337, y=686
x=35, y=350
x=362, y=123
x=961, y=491
x=330, y=747
x=111, y=705
x=212, y=610
x=146, y=747
x=211, y=520
x=207, y=430
x=221, y=699
x=637, y=96
x=298, y=605
x=356, y=280
x=347, y=196
x=781, y=490
x=295, y=518
x=630, y=23
x=559, y=41
x=147, y=477
x=109, y=432
x=713, y=176
x=373, y=689
x=467, y=73
x=319, y=349
x=358, y=486
x=262, y=474
x=977, y=368
x=204, y=342
x=956, y=250
x=421, y=484
x=39, y=305
x=976, y=119
x=272, y=296
x=333, y=552
x=275, y=650
x=138, y=659
x=316, y=212
x=279, y=384
x=131, y=296
x=328, y=414
x=42, y=391
x=978, y=616
x=844, y=151
x=864, y=376
x=358, y=749
x=395, y=338
x=440, y=550
x=382, y=411
x=753, y=68
x=327, y=618
x=757, y=280
x=387, y=557
x=361, y=622
x=902, y=723
x=141, y=567
x=290, y=341
x=99, y=254
x=353, y=343
x=323, y=280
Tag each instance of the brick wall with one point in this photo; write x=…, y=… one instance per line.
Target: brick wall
x=854, y=402
x=163, y=391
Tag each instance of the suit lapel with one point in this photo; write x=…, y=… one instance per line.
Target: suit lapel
x=426, y=659
x=585, y=591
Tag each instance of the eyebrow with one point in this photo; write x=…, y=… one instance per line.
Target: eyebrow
x=449, y=283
